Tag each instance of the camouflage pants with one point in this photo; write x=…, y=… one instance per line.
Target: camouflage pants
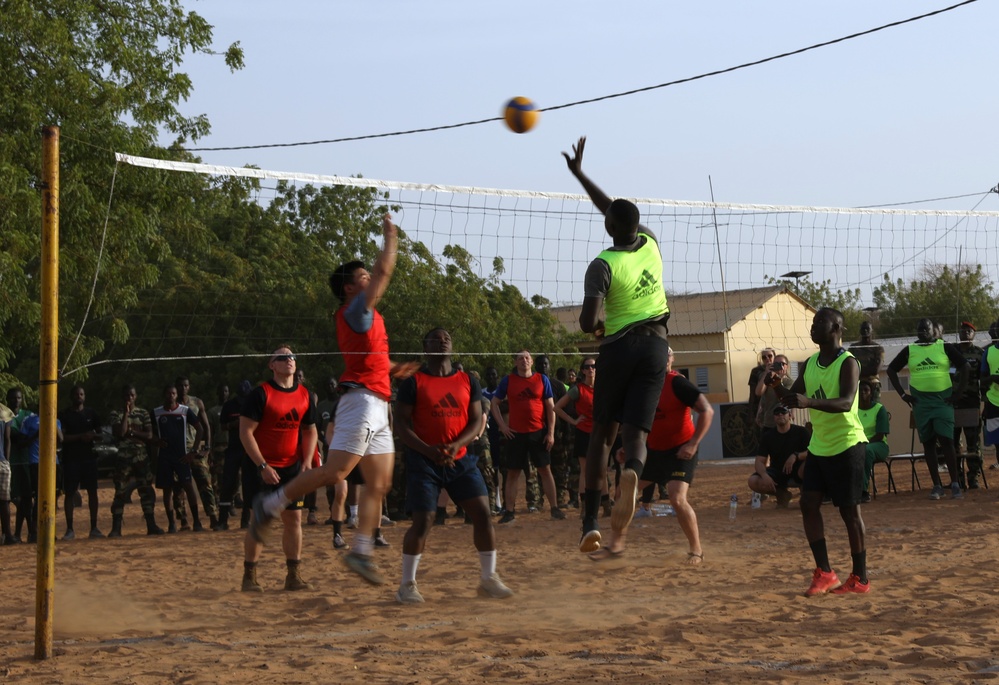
x=217, y=466
x=485, y=463
x=562, y=468
x=133, y=475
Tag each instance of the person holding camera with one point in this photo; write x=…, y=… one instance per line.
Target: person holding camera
x=767, y=396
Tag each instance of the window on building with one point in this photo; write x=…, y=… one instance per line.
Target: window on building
x=702, y=378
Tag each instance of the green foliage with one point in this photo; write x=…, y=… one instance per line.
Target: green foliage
x=200, y=270
x=946, y=294
x=107, y=73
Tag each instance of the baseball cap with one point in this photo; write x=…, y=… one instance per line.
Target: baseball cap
x=781, y=409
x=969, y=325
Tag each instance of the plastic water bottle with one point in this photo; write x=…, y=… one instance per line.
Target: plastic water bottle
x=663, y=509
x=757, y=501
x=733, y=507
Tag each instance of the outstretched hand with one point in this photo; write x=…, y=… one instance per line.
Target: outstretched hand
x=575, y=163
x=402, y=370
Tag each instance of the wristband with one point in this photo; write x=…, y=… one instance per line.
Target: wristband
x=263, y=466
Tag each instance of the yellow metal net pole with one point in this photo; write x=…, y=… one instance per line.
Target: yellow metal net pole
x=47, y=392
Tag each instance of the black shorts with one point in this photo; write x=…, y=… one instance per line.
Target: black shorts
x=526, y=449
x=630, y=375
x=840, y=476
x=355, y=477
x=79, y=474
x=662, y=466
x=580, y=443
x=782, y=480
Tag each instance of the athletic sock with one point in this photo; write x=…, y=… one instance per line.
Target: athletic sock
x=636, y=465
x=410, y=562
x=591, y=503
x=338, y=527
x=363, y=544
x=821, y=555
x=276, y=502
x=353, y=511
x=487, y=563
x=860, y=565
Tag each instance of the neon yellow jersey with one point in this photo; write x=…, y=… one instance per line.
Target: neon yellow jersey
x=869, y=420
x=929, y=367
x=992, y=357
x=832, y=432
x=636, y=289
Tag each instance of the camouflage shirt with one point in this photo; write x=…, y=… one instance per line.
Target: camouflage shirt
x=133, y=449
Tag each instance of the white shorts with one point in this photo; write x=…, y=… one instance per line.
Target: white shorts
x=362, y=424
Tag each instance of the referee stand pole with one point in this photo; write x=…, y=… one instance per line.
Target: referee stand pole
x=47, y=393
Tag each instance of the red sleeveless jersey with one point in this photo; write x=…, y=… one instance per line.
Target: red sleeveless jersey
x=672, y=425
x=523, y=396
x=366, y=355
x=584, y=407
x=440, y=412
x=277, y=432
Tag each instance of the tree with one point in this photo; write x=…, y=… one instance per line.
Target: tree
x=108, y=73
x=946, y=294
x=821, y=294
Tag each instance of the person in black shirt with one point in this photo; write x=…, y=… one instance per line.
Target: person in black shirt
x=782, y=458
x=81, y=427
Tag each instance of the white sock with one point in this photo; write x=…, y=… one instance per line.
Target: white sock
x=363, y=544
x=410, y=562
x=276, y=502
x=353, y=511
x=487, y=562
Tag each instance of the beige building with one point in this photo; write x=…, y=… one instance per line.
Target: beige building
x=717, y=337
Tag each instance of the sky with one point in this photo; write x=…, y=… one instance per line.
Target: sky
x=901, y=115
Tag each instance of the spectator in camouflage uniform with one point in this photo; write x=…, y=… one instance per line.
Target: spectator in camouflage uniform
x=220, y=438
x=132, y=428
x=481, y=448
x=561, y=447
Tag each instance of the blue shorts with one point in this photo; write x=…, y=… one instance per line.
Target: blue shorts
x=167, y=468
x=425, y=480
x=840, y=476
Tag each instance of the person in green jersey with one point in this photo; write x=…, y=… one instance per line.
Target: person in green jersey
x=624, y=306
x=990, y=386
x=932, y=396
x=835, y=464
x=875, y=420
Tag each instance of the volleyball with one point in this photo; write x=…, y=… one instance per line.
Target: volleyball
x=521, y=115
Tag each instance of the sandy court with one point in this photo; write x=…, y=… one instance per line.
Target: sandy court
x=169, y=610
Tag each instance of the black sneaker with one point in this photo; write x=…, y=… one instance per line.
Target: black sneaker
x=507, y=517
x=865, y=497
x=558, y=515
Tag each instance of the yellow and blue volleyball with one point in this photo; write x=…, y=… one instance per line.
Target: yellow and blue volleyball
x=521, y=115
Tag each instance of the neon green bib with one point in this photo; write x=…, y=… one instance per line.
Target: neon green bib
x=992, y=357
x=636, y=289
x=929, y=367
x=832, y=433
x=869, y=420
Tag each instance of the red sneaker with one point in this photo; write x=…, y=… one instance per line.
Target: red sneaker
x=822, y=582
x=853, y=584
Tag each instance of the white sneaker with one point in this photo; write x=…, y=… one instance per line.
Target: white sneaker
x=757, y=501
x=643, y=513
x=352, y=522
x=408, y=593
x=387, y=522
x=494, y=587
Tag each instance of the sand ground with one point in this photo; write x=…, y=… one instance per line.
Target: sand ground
x=168, y=609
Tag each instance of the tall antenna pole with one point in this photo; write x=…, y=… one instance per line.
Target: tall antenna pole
x=721, y=270
x=957, y=311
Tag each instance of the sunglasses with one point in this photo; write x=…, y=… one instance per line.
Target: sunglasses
x=283, y=358
x=588, y=366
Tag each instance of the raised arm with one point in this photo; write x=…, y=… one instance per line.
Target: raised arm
x=575, y=164
x=381, y=271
